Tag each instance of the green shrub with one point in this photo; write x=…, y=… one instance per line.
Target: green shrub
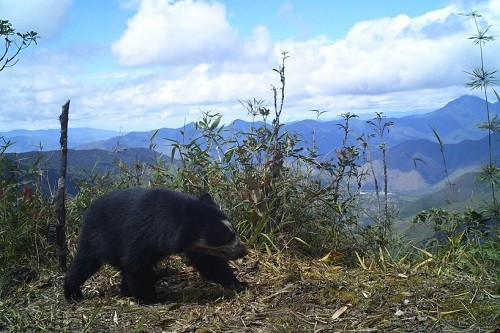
x=24, y=214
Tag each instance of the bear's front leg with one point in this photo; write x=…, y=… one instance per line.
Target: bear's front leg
x=216, y=269
x=82, y=268
x=124, y=285
x=140, y=285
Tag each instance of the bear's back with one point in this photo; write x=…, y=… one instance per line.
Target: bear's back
x=128, y=207
x=119, y=223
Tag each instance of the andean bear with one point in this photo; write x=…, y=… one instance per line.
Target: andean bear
x=132, y=229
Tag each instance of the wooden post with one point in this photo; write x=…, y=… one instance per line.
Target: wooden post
x=60, y=198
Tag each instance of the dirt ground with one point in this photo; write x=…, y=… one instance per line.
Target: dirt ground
x=286, y=295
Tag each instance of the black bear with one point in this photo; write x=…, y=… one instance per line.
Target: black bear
x=132, y=229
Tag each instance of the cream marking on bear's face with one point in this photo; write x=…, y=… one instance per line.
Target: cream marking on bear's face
x=232, y=251
x=228, y=224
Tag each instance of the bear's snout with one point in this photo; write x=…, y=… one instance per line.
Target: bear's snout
x=233, y=251
x=237, y=251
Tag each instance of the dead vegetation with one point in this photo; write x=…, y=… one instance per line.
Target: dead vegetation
x=287, y=295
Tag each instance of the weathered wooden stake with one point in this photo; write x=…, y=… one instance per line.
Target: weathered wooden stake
x=60, y=198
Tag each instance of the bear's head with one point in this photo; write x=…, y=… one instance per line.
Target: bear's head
x=215, y=234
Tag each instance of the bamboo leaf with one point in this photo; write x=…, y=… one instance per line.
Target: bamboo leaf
x=496, y=93
x=301, y=241
x=215, y=123
x=458, y=238
x=154, y=135
x=326, y=258
x=361, y=261
x=339, y=312
x=174, y=148
x=427, y=253
x=436, y=134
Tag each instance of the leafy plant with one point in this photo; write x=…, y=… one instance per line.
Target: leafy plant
x=482, y=79
x=449, y=184
x=14, y=43
x=381, y=126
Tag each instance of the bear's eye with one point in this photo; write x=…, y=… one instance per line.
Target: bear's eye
x=225, y=234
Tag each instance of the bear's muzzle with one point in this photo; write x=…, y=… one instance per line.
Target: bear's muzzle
x=233, y=251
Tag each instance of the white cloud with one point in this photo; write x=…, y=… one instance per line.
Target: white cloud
x=260, y=46
x=375, y=66
x=152, y=98
x=176, y=32
x=46, y=17
x=389, y=64
x=387, y=55
x=34, y=90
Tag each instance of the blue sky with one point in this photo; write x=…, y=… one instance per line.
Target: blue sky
x=144, y=64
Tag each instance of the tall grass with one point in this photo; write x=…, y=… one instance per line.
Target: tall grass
x=460, y=236
x=24, y=214
x=449, y=184
x=484, y=80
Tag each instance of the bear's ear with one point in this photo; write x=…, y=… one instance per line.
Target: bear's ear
x=207, y=198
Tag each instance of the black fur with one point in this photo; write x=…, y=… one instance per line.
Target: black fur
x=132, y=229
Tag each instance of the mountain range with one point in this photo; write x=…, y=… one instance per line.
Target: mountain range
x=414, y=158
x=47, y=140
x=456, y=121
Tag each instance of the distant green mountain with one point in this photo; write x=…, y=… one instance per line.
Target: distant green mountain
x=83, y=163
x=416, y=165
x=466, y=192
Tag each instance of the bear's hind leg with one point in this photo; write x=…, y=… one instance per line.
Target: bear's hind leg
x=140, y=285
x=216, y=269
x=81, y=269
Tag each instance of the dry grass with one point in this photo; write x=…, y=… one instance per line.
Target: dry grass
x=287, y=295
